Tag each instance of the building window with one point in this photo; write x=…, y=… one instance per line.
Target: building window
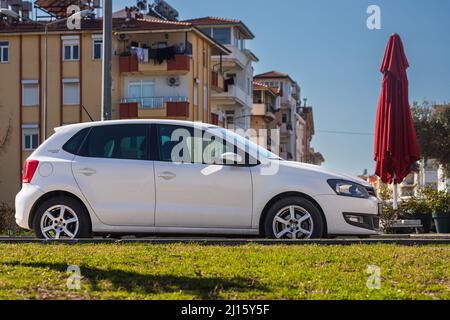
x=195, y=94
x=205, y=97
x=143, y=92
x=71, y=50
x=30, y=93
x=222, y=35
x=30, y=135
x=97, y=49
x=207, y=31
x=205, y=58
x=71, y=91
x=4, y=51
x=229, y=115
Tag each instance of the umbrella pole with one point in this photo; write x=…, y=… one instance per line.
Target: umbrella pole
x=395, y=195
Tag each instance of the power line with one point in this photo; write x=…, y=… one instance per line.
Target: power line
x=346, y=132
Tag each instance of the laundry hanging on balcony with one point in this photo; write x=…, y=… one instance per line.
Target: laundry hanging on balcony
x=141, y=53
x=157, y=55
x=163, y=54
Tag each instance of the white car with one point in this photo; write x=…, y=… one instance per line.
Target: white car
x=141, y=177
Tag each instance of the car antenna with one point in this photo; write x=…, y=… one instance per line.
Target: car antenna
x=87, y=113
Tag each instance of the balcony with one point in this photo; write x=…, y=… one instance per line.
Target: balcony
x=238, y=56
x=217, y=82
x=128, y=63
x=214, y=119
x=128, y=110
x=235, y=94
x=154, y=107
x=178, y=109
x=181, y=64
x=259, y=109
x=286, y=129
x=263, y=110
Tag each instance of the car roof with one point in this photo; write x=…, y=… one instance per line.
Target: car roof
x=79, y=126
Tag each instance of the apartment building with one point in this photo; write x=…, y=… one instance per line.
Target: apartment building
x=290, y=100
x=307, y=153
x=266, y=115
x=160, y=69
x=233, y=106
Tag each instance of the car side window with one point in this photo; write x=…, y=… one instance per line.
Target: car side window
x=192, y=145
x=173, y=143
x=73, y=145
x=128, y=142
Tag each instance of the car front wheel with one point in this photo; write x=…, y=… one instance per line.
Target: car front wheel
x=62, y=218
x=294, y=218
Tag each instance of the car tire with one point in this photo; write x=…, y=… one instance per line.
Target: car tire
x=306, y=222
x=62, y=218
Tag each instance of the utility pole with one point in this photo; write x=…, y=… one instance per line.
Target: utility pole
x=46, y=84
x=107, y=57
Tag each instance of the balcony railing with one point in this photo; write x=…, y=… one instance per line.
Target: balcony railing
x=148, y=103
x=181, y=64
x=236, y=55
x=237, y=93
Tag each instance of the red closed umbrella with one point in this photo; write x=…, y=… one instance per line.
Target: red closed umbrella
x=396, y=148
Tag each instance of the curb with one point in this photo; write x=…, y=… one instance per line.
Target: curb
x=234, y=242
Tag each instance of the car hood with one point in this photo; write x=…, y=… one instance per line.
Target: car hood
x=328, y=174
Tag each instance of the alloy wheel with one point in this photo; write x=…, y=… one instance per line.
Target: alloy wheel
x=59, y=222
x=293, y=222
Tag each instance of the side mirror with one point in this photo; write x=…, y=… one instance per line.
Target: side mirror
x=231, y=157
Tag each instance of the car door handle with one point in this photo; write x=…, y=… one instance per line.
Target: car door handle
x=167, y=175
x=87, y=172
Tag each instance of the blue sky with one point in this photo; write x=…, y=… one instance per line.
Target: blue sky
x=326, y=46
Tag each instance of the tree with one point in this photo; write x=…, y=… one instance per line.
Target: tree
x=5, y=137
x=432, y=123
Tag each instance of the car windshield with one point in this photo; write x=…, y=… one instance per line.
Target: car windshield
x=252, y=148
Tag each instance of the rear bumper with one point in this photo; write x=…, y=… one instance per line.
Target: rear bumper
x=25, y=200
x=337, y=210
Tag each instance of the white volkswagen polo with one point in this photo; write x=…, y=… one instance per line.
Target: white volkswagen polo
x=141, y=177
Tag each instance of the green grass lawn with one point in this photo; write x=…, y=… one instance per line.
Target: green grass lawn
x=139, y=271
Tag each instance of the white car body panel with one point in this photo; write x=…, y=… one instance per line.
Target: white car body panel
x=191, y=199
x=103, y=182
x=129, y=196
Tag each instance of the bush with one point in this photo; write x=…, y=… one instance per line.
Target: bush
x=7, y=220
x=419, y=205
x=439, y=201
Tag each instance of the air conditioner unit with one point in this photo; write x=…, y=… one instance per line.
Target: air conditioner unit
x=173, y=81
x=122, y=37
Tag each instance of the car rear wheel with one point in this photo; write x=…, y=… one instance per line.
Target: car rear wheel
x=62, y=218
x=294, y=218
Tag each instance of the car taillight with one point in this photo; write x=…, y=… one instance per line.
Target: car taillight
x=28, y=170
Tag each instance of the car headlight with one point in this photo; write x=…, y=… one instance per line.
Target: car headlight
x=348, y=189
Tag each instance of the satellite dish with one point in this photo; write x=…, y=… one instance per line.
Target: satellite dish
x=166, y=10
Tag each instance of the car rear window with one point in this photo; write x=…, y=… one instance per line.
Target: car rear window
x=73, y=145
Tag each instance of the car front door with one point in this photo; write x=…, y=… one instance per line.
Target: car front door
x=192, y=193
x=114, y=173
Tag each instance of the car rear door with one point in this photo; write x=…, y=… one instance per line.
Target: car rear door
x=114, y=173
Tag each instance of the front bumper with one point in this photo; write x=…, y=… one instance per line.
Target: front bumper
x=25, y=200
x=338, y=209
